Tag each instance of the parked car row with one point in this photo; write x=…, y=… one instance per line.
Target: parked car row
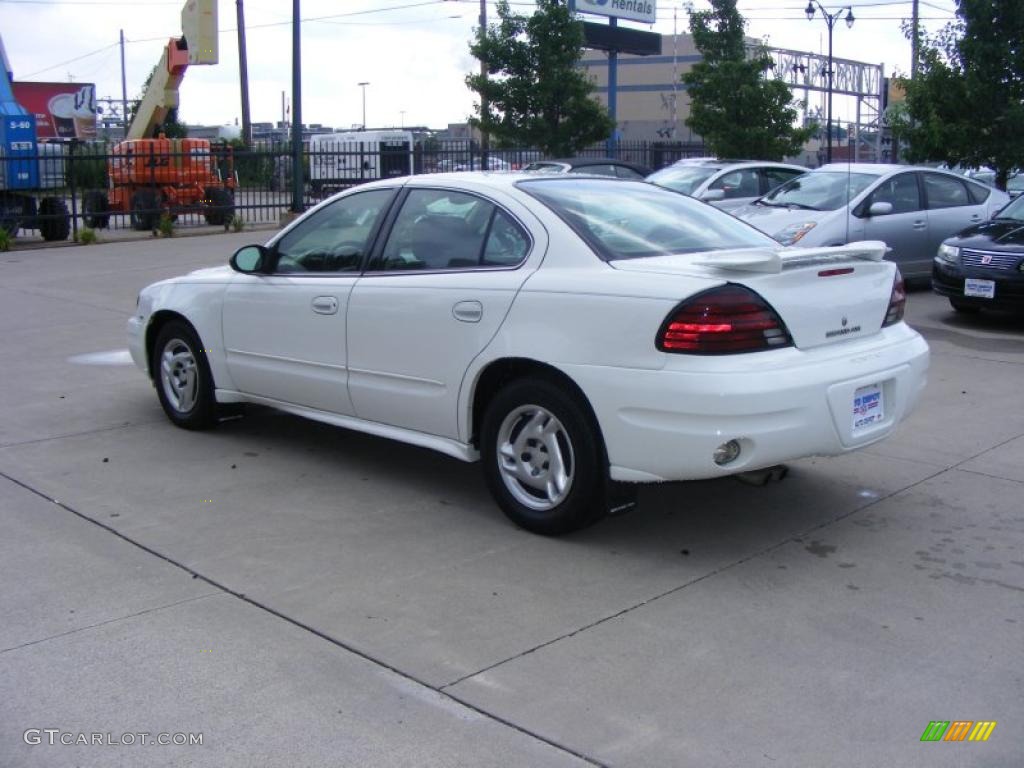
x=951, y=228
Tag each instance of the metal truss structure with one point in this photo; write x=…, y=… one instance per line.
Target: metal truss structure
x=865, y=83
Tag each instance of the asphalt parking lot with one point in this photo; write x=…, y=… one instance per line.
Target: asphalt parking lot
x=300, y=595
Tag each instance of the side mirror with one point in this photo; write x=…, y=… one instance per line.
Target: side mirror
x=712, y=195
x=880, y=209
x=250, y=259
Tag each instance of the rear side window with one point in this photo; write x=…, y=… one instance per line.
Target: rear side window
x=979, y=192
x=507, y=243
x=945, y=191
x=447, y=230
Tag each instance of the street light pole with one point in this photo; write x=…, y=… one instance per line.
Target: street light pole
x=830, y=20
x=363, y=86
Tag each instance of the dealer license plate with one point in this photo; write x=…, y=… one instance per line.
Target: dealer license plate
x=982, y=289
x=868, y=407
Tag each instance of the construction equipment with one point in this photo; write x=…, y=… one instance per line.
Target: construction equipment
x=150, y=175
x=27, y=170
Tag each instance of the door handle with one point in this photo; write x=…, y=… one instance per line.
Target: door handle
x=920, y=224
x=468, y=311
x=325, y=305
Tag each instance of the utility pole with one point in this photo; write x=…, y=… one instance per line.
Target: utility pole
x=485, y=141
x=363, y=86
x=298, y=183
x=613, y=88
x=914, y=39
x=124, y=90
x=243, y=71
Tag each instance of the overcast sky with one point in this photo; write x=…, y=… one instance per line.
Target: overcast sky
x=412, y=52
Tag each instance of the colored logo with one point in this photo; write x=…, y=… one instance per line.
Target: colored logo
x=958, y=730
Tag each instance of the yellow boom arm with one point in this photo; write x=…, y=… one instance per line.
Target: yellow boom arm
x=197, y=45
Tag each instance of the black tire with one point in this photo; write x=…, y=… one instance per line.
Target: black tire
x=535, y=402
x=220, y=205
x=54, y=219
x=96, y=209
x=145, y=213
x=963, y=307
x=181, y=375
x=12, y=209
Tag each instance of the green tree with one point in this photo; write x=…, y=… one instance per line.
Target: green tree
x=738, y=111
x=536, y=95
x=966, y=105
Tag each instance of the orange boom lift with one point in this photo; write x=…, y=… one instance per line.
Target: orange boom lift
x=150, y=175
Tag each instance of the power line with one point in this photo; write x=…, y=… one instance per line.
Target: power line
x=71, y=61
x=67, y=3
x=220, y=32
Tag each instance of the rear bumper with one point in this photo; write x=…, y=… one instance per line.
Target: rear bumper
x=780, y=406
x=948, y=280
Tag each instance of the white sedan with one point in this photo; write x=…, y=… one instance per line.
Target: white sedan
x=577, y=335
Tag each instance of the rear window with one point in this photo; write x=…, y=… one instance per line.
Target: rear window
x=629, y=220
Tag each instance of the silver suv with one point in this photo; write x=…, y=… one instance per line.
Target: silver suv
x=726, y=184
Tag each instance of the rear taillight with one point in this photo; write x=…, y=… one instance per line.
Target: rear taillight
x=897, y=301
x=723, y=321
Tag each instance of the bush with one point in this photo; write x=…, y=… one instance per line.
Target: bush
x=237, y=223
x=166, y=226
x=5, y=240
x=90, y=166
x=87, y=236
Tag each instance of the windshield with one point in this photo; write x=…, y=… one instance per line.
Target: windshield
x=819, y=191
x=1014, y=210
x=629, y=220
x=682, y=178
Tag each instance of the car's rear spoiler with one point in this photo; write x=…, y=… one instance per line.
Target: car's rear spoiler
x=774, y=261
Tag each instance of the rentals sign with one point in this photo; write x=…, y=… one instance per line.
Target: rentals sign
x=636, y=10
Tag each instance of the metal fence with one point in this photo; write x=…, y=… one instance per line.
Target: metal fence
x=191, y=184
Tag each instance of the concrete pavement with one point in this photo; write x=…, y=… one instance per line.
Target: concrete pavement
x=303, y=595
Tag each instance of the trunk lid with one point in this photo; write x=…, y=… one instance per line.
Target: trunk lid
x=823, y=295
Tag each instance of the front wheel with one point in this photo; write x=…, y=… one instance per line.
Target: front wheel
x=96, y=209
x=220, y=206
x=182, y=377
x=54, y=220
x=542, y=458
x=145, y=210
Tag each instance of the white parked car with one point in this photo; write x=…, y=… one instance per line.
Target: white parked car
x=726, y=184
x=577, y=335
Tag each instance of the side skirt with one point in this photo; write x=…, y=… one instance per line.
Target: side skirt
x=444, y=445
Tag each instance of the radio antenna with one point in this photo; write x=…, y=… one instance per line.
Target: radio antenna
x=848, y=174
